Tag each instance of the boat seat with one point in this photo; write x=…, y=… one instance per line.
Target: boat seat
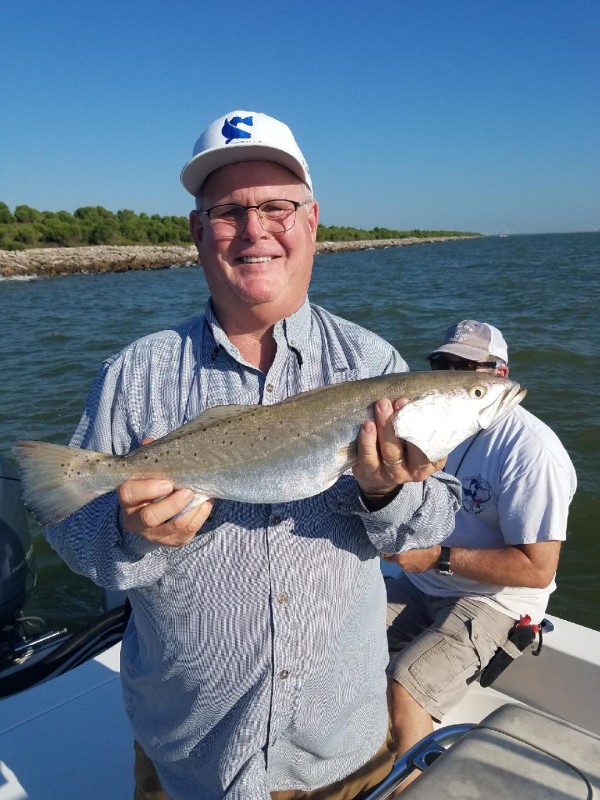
x=514, y=752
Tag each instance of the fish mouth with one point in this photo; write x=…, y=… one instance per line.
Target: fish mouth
x=510, y=398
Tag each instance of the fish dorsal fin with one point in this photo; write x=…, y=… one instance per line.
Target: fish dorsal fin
x=212, y=416
x=221, y=413
x=308, y=393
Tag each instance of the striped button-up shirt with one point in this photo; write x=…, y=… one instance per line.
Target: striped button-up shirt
x=255, y=656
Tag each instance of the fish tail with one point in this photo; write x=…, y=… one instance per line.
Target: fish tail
x=58, y=480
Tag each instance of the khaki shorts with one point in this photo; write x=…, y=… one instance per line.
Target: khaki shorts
x=355, y=786
x=439, y=645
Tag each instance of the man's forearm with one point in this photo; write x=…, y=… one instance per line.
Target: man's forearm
x=533, y=566
x=504, y=566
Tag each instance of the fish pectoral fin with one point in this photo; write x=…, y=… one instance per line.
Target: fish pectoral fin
x=348, y=453
x=197, y=500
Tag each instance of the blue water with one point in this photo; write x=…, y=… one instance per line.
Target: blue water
x=541, y=291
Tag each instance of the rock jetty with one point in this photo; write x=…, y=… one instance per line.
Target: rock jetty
x=47, y=262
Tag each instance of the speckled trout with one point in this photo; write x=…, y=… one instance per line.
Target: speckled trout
x=271, y=453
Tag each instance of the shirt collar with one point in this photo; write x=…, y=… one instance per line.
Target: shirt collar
x=295, y=330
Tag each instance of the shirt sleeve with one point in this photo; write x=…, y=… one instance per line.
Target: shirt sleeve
x=421, y=515
x=534, y=505
x=93, y=543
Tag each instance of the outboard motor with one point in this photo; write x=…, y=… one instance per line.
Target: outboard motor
x=29, y=653
x=17, y=564
x=20, y=636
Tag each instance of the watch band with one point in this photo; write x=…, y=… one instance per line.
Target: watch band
x=443, y=567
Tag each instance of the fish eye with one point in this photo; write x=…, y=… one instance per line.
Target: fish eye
x=477, y=392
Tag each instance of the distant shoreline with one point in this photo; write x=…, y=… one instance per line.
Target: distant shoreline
x=48, y=262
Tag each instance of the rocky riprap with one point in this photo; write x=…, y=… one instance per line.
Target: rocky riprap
x=50, y=261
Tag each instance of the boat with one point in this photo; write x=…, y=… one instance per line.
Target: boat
x=535, y=733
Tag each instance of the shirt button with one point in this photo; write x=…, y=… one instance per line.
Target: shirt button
x=282, y=598
x=283, y=674
x=276, y=519
x=269, y=387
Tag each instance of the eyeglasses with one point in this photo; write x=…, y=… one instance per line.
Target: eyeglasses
x=441, y=361
x=275, y=216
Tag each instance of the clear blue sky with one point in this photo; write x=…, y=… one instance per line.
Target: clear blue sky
x=479, y=115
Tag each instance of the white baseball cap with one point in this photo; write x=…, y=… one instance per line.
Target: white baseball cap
x=475, y=341
x=243, y=136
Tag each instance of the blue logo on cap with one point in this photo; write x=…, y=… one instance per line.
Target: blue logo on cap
x=230, y=130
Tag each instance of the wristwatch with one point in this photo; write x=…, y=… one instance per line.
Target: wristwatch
x=443, y=567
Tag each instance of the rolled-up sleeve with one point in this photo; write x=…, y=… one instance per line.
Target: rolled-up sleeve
x=421, y=515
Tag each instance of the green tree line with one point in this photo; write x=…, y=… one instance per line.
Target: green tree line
x=92, y=225
x=334, y=233
x=26, y=227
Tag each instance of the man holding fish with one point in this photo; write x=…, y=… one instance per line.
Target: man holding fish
x=253, y=665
